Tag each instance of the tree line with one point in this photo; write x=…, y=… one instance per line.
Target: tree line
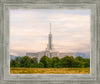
x=46, y=62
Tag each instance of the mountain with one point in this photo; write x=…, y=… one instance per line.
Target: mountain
x=12, y=57
x=84, y=55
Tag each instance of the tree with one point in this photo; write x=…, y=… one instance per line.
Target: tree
x=79, y=58
x=46, y=61
x=34, y=60
x=32, y=65
x=25, y=61
x=40, y=65
x=54, y=61
x=86, y=62
x=18, y=60
x=67, y=61
x=58, y=65
x=13, y=63
x=78, y=64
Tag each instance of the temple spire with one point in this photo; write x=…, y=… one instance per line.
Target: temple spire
x=50, y=44
x=50, y=28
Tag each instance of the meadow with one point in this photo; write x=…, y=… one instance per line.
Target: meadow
x=17, y=70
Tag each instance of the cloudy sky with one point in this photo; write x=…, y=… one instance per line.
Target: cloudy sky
x=29, y=30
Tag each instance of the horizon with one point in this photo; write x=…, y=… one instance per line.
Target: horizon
x=83, y=55
x=29, y=30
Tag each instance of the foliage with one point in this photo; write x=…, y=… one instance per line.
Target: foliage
x=40, y=65
x=13, y=63
x=79, y=58
x=67, y=61
x=46, y=61
x=55, y=62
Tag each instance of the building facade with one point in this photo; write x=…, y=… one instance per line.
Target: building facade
x=49, y=51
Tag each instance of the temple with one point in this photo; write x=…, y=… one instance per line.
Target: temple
x=49, y=51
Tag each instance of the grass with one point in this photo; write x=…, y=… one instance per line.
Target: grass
x=49, y=70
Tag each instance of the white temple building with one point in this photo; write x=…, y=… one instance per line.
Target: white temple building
x=50, y=51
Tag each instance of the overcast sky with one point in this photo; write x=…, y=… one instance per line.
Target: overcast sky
x=29, y=30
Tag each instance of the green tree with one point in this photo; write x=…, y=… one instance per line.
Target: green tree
x=78, y=64
x=34, y=60
x=32, y=65
x=79, y=58
x=26, y=61
x=54, y=61
x=13, y=63
x=18, y=60
x=40, y=65
x=58, y=65
x=67, y=61
x=46, y=61
x=86, y=62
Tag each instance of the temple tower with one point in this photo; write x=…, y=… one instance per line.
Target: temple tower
x=49, y=49
x=50, y=39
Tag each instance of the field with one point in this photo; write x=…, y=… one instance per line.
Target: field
x=49, y=70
